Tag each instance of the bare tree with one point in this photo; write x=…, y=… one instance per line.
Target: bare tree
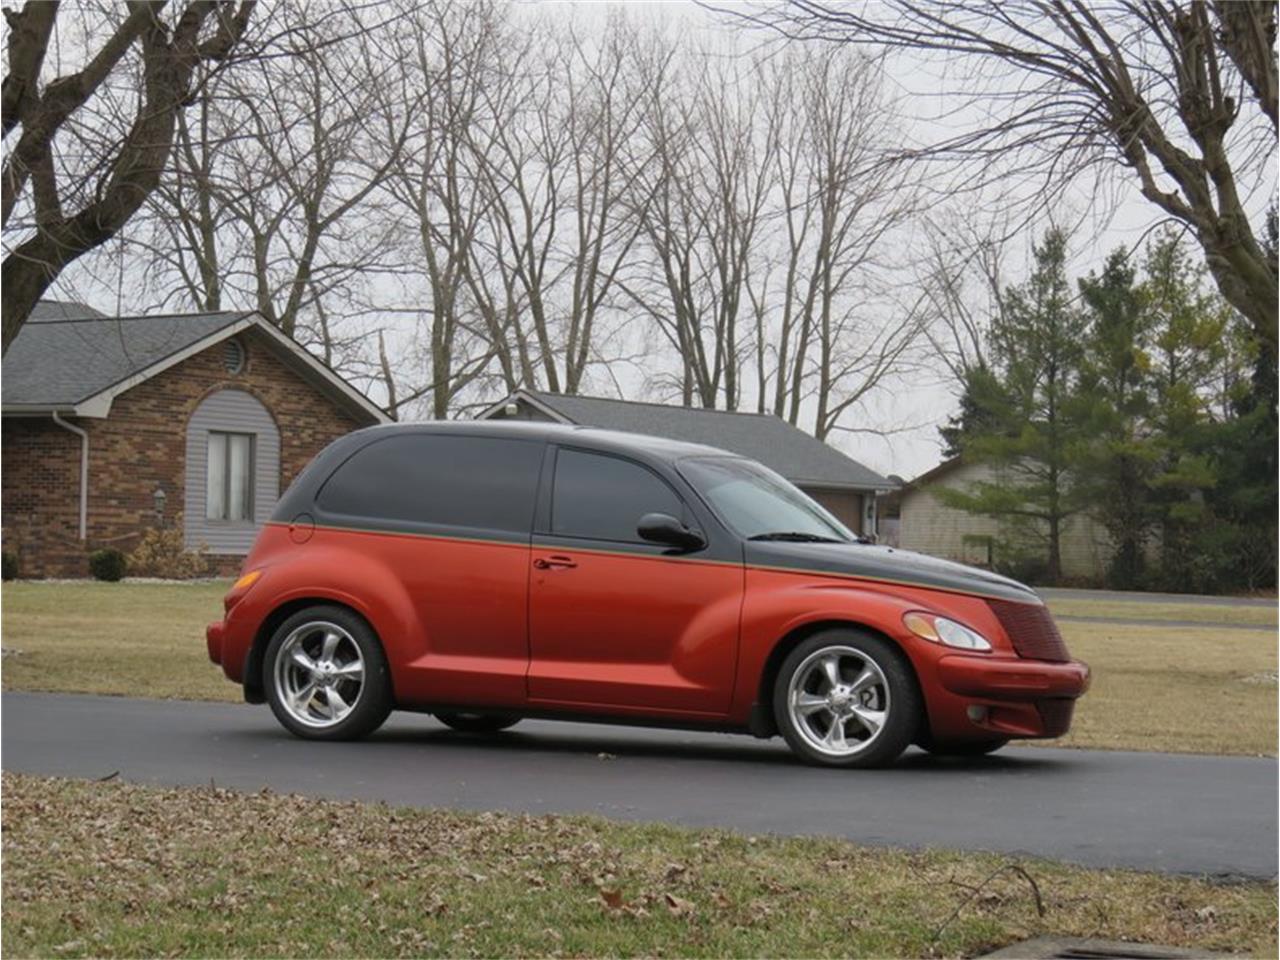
x=551, y=159
x=1181, y=94
x=704, y=206
x=449, y=52
x=271, y=198
x=842, y=332
x=59, y=204
x=962, y=283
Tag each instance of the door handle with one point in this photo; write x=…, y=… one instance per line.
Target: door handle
x=557, y=560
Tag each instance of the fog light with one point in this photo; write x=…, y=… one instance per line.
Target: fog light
x=978, y=714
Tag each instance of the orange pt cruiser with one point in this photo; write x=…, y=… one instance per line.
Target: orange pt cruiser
x=485, y=572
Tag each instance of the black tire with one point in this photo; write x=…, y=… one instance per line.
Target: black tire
x=901, y=708
x=968, y=748
x=373, y=702
x=478, y=722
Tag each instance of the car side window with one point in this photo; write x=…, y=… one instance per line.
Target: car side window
x=483, y=483
x=599, y=497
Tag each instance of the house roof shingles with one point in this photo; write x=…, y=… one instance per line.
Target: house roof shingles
x=772, y=441
x=59, y=360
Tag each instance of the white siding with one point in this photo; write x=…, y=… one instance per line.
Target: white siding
x=928, y=526
x=233, y=411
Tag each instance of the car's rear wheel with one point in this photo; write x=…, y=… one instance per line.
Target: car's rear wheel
x=846, y=698
x=478, y=722
x=325, y=675
x=969, y=748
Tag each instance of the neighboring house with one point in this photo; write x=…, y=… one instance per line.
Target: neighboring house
x=839, y=483
x=113, y=425
x=926, y=525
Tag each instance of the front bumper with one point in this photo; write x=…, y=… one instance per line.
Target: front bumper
x=1011, y=697
x=996, y=679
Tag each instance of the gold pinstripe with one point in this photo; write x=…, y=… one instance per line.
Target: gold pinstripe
x=773, y=568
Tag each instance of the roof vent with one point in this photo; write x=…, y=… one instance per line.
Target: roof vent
x=233, y=356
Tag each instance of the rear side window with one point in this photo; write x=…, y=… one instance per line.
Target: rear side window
x=481, y=482
x=603, y=498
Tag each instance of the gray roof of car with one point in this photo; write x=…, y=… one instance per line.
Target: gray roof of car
x=60, y=358
x=798, y=456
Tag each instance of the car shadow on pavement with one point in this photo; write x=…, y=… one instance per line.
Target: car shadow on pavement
x=607, y=746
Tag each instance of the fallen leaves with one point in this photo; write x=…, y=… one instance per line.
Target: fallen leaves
x=115, y=869
x=612, y=899
x=678, y=905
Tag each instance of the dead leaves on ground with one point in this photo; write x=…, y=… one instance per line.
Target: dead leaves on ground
x=104, y=868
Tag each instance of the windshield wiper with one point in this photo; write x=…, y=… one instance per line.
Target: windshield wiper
x=795, y=536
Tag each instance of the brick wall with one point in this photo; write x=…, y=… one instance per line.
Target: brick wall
x=140, y=446
x=39, y=504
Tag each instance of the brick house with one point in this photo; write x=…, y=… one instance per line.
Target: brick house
x=844, y=486
x=112, y=425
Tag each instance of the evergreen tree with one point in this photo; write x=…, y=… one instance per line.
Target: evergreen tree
x=1030, y=428
x=1118, y=466
x=982, y=402
x=1190, y=352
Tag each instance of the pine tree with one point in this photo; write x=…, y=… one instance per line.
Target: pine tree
x=1116, y=381
x=1030, y=428
x=1190, y=350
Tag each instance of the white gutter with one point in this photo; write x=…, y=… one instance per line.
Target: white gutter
x=84, y=470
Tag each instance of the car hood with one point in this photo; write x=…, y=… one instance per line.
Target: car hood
x=888, y=564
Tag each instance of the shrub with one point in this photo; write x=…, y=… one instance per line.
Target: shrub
x=162, y=553
x=108, y=564
x=8, y=565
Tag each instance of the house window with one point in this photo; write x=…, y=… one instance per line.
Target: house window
x=229, y=493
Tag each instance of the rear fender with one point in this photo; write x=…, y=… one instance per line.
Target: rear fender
x=323, y=575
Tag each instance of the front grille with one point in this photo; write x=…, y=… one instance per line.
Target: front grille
x=1056, y=716
x=1031, y=629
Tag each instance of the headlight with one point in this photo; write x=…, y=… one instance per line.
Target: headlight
x=948, y=632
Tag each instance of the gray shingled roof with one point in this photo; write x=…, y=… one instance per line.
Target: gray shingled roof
x=62, y=310
x=58, y=361
x=798, y=456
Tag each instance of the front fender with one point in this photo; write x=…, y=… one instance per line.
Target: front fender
x=780, y=607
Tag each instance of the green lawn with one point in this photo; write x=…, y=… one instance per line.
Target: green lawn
x=95, y=869
x=1193, y=689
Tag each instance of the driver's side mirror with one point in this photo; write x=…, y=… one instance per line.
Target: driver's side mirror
x=664, y=528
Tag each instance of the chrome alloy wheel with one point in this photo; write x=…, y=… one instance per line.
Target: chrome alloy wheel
x=838, y=699
x=319, y=674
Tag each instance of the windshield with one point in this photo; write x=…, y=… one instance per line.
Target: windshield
x=757, y=503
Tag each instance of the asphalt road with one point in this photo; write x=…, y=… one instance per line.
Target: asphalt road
x=1167, y=812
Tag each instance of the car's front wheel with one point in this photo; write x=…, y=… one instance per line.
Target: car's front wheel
x=325, y=675
x=846, y=698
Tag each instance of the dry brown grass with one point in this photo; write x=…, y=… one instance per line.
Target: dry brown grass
x=1121, y=610
x=94, y=869
x=1195, y=690
x=130, y=639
